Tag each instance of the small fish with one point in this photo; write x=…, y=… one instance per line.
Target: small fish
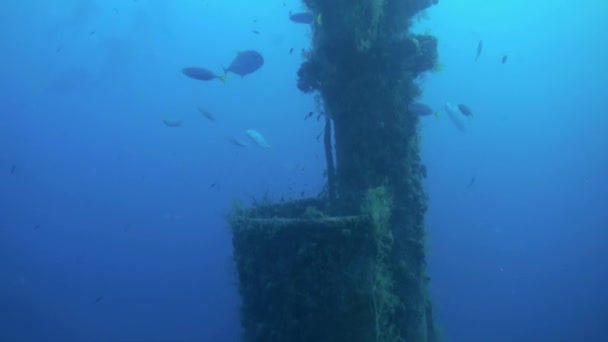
x=471, y=182
x=173, y=123
x=302, y=17
x=13, y=168
x=206, y=114
x=257, y=138
x=419, y=109
x=309, y=115
x=465, y=110
x=504, y=59
x=255, y=31
x=236, y=142
x=36, y=227
x=479, y=49
x=290, y=51
x=98, y=299
x=200, y=74
x=245, y=63
x=213, y=185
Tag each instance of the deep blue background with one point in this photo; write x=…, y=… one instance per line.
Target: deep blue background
x=111, y=226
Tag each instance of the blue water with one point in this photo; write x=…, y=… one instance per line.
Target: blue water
x=111, y=223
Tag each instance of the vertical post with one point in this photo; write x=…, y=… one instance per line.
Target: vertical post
x=364, y=63
x=329, y=161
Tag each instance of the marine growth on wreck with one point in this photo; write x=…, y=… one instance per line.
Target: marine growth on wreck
x=349, y=266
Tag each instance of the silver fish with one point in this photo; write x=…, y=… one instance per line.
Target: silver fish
x=454, y=115
x=257, y=138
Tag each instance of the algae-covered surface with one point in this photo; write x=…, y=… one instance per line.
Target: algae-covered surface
x=307, y=276
x=304, y=278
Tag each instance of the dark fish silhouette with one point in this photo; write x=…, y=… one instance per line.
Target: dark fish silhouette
x=245, y=63
x=236, y=142
x=465, y=110
x=13, y=168
x=255, y=31
x=479, y=49
x=200, y=74
x=98, y=299
x=207, y=114
x=419, y=109
x=504, y=59
x=172, y=123
x=302, y=17
x=471, y=182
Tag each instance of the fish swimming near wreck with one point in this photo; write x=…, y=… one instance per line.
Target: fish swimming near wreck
x=302, y=17
x=420, y=109
x=454, y=116
x=201, y=74
x=245, y=63
x=257, y=138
